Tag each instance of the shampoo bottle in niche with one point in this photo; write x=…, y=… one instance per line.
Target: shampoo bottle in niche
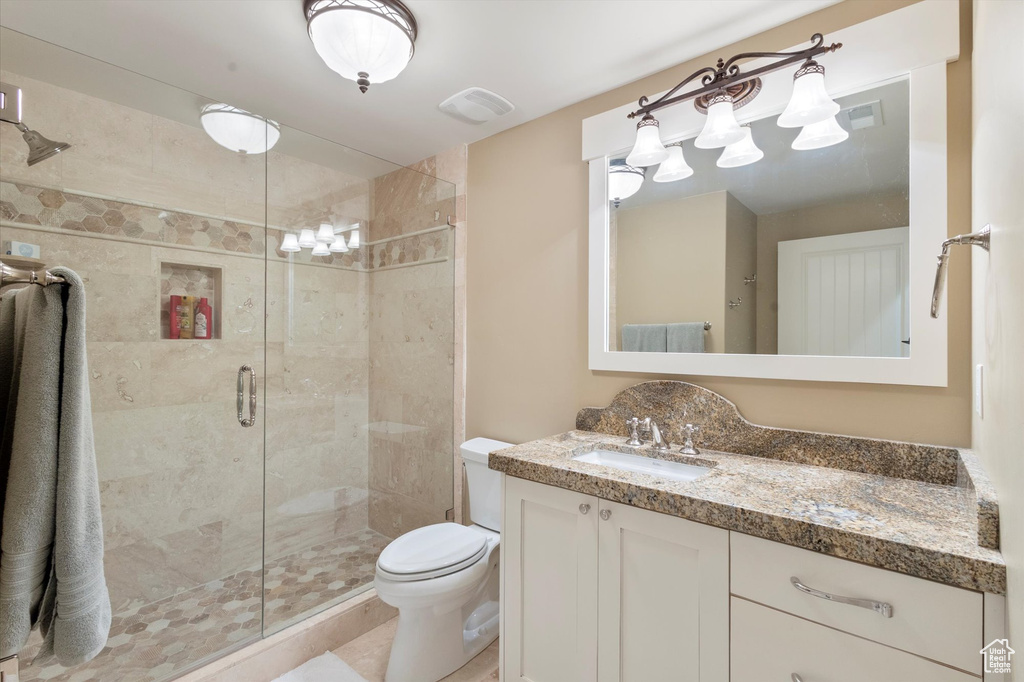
x=204, y=320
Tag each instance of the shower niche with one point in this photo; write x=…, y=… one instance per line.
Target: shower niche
x=190, y=301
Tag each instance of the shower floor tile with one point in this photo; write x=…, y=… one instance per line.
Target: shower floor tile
x=158, y=641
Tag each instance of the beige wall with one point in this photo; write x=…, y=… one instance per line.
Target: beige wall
x=999, y=278
x=527, y=279
x=670, y=265
x=860, y=214
x=740, y=262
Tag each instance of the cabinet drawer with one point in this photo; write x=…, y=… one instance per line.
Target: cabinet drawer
x=770, y=645
x=936, y=621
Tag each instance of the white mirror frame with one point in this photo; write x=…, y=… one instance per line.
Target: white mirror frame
x=916, y=42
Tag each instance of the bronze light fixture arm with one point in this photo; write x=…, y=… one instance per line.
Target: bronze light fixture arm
x=727, y=73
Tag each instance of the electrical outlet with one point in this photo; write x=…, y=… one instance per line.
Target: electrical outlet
x=979, y=389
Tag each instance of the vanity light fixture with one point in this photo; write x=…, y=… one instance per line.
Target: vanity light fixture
x=353, y=242
x=725, y=88
x=239, y=130
x=674, y=167
x=740, y=153
x=290, y=244
x=307, y=240
x=339, y=245
x=326, y=233
x=366, y=41
x=624, y=180
x=321, y=249
x=821, y=134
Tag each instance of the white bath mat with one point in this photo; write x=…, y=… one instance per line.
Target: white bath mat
x=326, y=668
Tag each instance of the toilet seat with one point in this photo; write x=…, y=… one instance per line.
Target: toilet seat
x=432, y=552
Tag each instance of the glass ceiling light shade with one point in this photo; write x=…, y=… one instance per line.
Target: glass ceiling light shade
x=338, y=245
x=721, y=128
x=809, y=102
x=367, y=41
x=624, y=180
x=674, y=167
x=648, y=150
x=306, y=239
x=290, y=243
x=321, y=250
x=822, y=134
x=239, y=130
x=326, y=233
x=740, y=153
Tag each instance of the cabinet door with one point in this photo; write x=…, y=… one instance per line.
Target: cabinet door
x=549, y=592
x=663, y=598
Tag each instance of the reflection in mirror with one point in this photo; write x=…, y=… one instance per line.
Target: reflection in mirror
x=804, y=251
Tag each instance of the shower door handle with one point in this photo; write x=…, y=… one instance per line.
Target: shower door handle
x=246, y=422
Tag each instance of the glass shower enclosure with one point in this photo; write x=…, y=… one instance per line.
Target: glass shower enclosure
x=217, y=533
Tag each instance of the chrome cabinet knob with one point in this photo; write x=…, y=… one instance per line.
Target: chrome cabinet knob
x=584, y=508
x=606, y=514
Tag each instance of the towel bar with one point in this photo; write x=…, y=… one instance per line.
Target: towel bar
x=9, y=274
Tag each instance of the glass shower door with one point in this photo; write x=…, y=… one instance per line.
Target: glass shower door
x=156, y=218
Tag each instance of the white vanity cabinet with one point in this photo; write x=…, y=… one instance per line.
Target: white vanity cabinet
x=598, y=591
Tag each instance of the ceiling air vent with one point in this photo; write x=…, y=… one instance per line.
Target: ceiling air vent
x=476, y=105
x=866, y=115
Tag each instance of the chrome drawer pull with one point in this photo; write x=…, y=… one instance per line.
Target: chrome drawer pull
x=876, y=606
x=797, y=678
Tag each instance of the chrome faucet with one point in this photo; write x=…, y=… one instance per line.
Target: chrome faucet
x=634, y=432
x=657, y=440
x=688, y=448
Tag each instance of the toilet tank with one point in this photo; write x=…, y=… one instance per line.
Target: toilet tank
x=484, y=484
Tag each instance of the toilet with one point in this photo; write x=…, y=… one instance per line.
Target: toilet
x=443, y=579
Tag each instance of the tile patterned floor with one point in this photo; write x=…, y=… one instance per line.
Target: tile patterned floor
x=159, y=640
x=368, y=656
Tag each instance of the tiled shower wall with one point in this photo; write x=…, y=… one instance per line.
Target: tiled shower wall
x=182, y=489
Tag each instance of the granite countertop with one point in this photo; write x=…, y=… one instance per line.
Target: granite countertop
x=917, y=527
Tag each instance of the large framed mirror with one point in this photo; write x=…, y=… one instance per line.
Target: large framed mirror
x=810, y=263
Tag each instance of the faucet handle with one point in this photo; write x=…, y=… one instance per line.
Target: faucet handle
x=634, y=432
x=688, y=447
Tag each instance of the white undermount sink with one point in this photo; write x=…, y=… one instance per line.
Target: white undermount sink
x=675, y=471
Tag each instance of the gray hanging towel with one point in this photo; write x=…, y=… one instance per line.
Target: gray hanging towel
x=642, y=338
x=685, y=337
x=51, y=541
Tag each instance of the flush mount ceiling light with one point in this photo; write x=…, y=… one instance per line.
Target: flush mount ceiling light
x=366, y=41
x=725, y=88
x=624, y=180
x=239, y=130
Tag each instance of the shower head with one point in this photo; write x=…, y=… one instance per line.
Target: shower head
x=39, y=147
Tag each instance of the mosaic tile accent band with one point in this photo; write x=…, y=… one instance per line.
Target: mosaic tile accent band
x=158, y=641
x=77, y=213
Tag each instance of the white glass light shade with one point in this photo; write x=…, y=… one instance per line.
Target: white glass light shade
x=623, y=180
x=367, y=41
x=674, y=167
x=821, y=134
x=339, y=245
x=306, y=239
x=290, y=243
x=648, y=149
x=353, y=243
x=809, y=102
x=721, y=128
x=238, y=130
x=321, y=250
x=326, y=233
x=740, y=153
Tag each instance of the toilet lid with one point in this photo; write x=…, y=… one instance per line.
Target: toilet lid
x=432, y=549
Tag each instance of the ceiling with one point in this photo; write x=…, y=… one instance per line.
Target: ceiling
x=872, y=161
x=542, y=56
